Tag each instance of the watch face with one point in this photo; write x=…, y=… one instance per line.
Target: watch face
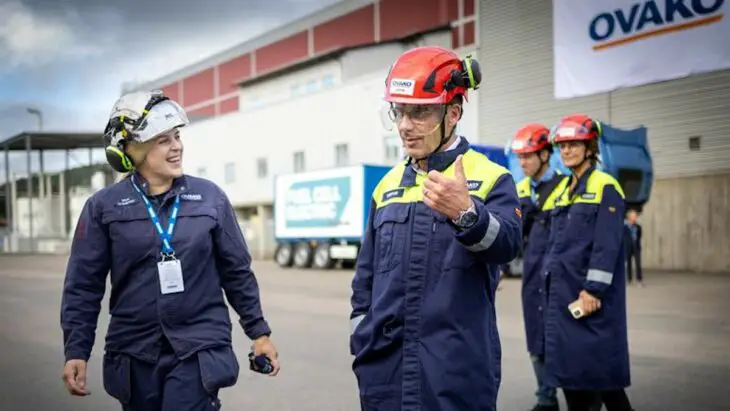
x=468, y=219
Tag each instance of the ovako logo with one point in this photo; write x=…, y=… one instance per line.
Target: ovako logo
x=646, y=19
x=402, y=86
x=191, y=197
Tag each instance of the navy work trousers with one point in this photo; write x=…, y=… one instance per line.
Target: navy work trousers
x=170, y=384
x=546, y=395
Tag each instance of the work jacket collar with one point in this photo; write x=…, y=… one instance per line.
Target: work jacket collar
x=179, y=185
x=582, y=186
x=438, y=161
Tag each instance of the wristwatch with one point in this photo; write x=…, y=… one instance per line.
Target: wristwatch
x=467, y=218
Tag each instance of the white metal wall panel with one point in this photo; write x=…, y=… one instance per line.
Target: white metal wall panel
x=517, y=58
x=515, y=43
x=367, y=60
x=376, y=58
x=674, y=111
x=282, y=88
x=313, y=123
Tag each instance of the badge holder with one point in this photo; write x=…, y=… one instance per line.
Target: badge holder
x=169, y=268
x=170, y=272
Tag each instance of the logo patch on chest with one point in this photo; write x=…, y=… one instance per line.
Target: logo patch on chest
x=588, y=196
x=191, y=197
x=126, y=201
x=474, y=185
x=396, y=193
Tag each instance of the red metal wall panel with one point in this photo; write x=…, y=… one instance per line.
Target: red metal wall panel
x=455, y=37
x=199, y=87
x=399, y=18
x=204, y=111
x=469, y=7
x=171, y=91
x=228, y=105
x=352, y=29
x=452, y=10
x=469, y=34
x=282, y=53
x=232, y=71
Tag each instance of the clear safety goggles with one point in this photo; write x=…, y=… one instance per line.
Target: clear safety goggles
x=569, y=131
x=160, y=119
x=420, y=115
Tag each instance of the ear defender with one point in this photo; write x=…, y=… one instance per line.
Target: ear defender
x=115, y=156
x=598, y=128
x=472, y=74
x=595, y=127
x=119, y=161
x=469, y=77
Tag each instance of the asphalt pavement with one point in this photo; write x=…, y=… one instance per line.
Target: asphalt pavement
x=678, y=329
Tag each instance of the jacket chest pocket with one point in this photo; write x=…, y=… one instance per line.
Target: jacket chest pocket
x=391, y=231
x=581, y=219
x=194, y=228
x=132, y=234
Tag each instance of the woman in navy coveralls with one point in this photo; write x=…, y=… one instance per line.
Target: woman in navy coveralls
x=171, y=243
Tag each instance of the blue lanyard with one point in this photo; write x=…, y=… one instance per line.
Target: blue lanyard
x=165, y=235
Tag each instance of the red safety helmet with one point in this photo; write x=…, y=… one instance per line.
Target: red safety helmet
x=430, y=75
x=531, y=139
x=576, y=127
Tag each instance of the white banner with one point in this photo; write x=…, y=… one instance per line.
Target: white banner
x=601, y=45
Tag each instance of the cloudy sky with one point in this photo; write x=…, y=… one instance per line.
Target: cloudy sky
x=69, y=58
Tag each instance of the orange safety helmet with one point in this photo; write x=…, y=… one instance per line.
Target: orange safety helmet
x=531, y=139
x=430, y=75
x=576, y=127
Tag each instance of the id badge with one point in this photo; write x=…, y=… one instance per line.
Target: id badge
x=171, y=278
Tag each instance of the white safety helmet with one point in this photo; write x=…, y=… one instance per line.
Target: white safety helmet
x=139, y=116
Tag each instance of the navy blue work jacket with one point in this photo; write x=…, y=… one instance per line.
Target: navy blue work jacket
x=115, y=236
x=423, y=314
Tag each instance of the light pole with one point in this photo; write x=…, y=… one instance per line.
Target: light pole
x=28, y=147
x=36, y=112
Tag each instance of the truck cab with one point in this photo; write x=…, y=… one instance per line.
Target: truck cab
x=495, y=153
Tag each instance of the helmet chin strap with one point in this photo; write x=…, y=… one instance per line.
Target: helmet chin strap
x=444, y=138
x=585, y=158
x=543, y=166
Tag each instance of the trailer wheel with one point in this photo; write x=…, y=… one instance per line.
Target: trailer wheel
x=303, y=255
x=284, y=255
x=322, y=259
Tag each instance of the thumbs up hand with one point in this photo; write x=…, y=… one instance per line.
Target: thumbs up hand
x=449, y=196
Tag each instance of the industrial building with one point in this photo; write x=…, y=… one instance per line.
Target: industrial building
x=307, y=96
